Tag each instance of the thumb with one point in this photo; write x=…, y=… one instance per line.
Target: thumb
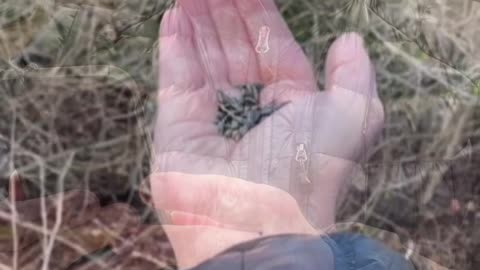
x=229, y=201
x=195, y=244
x=348, y=66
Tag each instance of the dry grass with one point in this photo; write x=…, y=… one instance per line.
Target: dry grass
x=70, y=128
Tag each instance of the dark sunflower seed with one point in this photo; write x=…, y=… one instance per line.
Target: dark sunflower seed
x=237, y=115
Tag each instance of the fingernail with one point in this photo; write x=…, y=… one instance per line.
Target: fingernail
x=350, y=44
x=346, y=48
x=166, y=28
x=349, y=66
x=175, y=21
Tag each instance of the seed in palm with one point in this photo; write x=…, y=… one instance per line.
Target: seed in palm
x=238, y=115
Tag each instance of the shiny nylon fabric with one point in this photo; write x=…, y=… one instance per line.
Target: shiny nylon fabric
x=296, y=252
x=268, y=154
x=335, y=125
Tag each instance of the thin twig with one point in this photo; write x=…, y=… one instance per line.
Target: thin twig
x=59, y=211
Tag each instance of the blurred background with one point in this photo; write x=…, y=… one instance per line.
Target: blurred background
x=77, y=99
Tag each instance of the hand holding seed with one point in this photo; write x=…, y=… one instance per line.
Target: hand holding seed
x=237, y=97
x=237, y=116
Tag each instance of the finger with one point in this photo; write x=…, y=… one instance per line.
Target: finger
x=224, y=199
x=183, y=114
x=349, y=113
x=348, y=66
x=347, y=118
x=279, y=55
x=179, y=65
x=207, y=42
x=239, y=52
x=196, y=244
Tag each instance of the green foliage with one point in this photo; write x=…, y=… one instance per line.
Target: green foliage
x=476, y=89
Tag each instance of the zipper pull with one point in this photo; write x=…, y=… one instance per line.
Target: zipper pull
x=302, y=159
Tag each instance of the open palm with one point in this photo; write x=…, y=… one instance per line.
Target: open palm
x=212, y=45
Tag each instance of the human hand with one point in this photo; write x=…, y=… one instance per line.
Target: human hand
x=226, y=202
x=206, y=46
x=210, y=213
x=210, y=45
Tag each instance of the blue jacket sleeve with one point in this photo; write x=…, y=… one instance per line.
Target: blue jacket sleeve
x=301, y=252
